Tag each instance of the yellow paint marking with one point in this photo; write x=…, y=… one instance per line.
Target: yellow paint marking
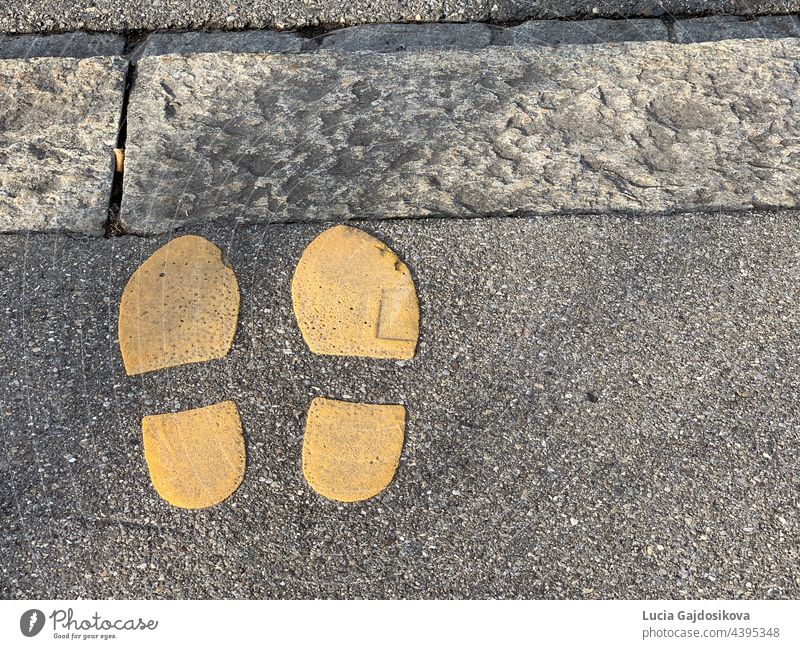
x=180, y=306
x=353, y=296
x=351, y=450
x=196, y=457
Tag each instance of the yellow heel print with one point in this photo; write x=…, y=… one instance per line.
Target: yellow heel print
x=353, y=296
x=351, y=450
x=196, y=458
x=181, y=306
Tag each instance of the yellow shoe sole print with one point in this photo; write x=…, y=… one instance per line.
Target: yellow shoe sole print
x=181, y=306
x=351, y=295
x=196, y=457
x=351, y=450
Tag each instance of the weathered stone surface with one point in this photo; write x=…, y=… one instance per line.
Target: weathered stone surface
x=581, y=32
x=328, y=135
x=244, y=42
x=78, y=45
x=717, y=28
x=400, y=37
x=58, y=126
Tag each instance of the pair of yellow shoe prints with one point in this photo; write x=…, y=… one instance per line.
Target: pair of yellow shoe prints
x=352, y=296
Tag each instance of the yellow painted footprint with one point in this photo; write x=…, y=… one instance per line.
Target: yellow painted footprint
x=354, y=297
x=351, y=295
x=181, y=306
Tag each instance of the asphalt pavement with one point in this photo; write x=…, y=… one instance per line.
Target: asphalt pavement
x=122, y=15
x=600, y=406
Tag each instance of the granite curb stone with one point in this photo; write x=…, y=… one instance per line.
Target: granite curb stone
x=58, y=127
x=716, y=28
x=331, y=135
x=77, y=45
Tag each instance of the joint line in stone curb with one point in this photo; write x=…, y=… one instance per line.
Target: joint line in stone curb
x=112, y=226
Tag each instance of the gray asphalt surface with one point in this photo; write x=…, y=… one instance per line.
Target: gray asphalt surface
x=599, y=407
x=116, y=15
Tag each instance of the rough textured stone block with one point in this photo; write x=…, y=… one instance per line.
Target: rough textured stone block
x=327, y=135
x=718, y=28
x=78, y=45
x=397, y=38
x=582, y=32
x=245, y=42
x=58, y=126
